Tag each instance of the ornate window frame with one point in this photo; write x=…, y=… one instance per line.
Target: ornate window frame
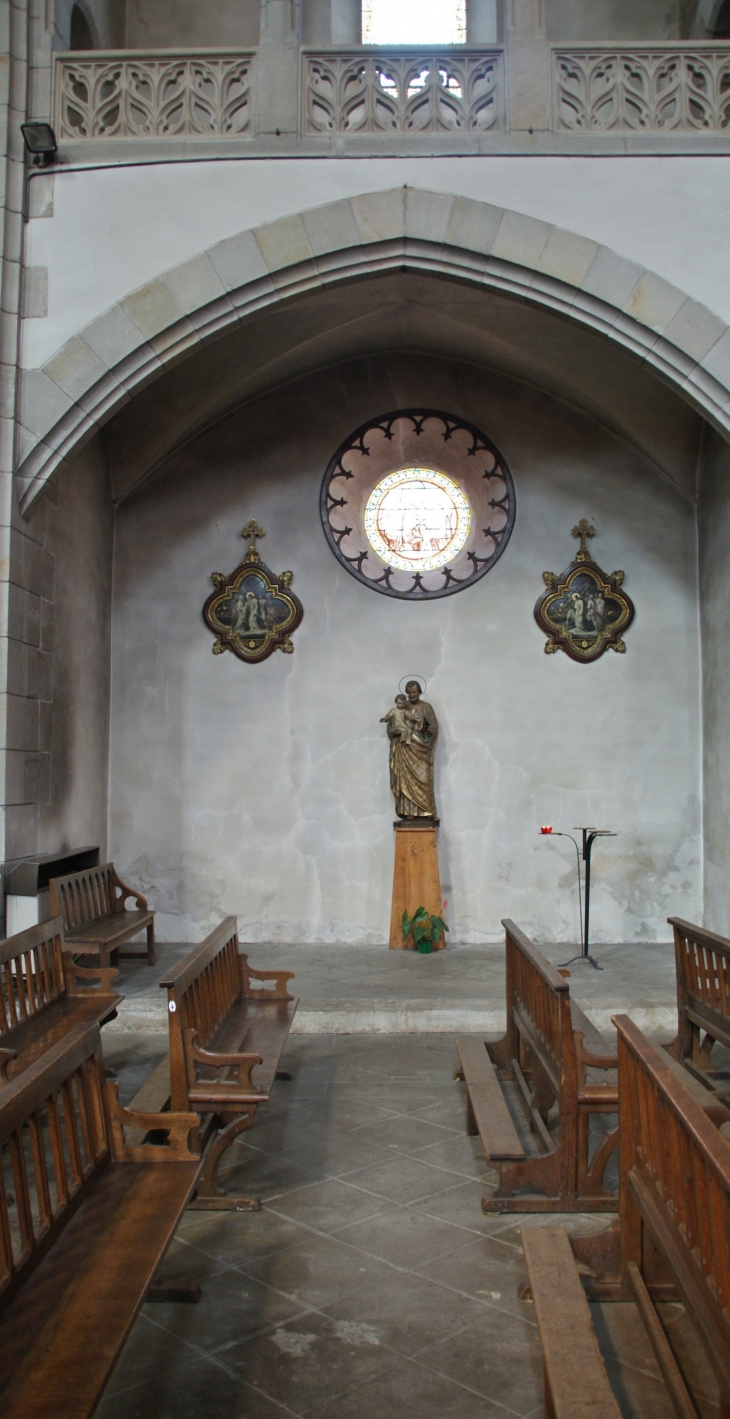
x=485, y=544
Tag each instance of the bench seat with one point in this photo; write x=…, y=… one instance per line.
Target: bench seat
x=576, y=1383
x=110, y=931
x=62, y=1334
x=33, y=1038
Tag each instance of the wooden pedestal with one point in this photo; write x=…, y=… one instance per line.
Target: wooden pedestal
x=415, y=879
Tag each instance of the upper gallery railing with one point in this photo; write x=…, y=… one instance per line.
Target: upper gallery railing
x=590, y=92
x=403, y=92
x=158, y=95
x=653, y=89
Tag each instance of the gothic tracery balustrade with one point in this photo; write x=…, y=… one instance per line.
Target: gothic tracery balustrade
x=402, y=93
x=154, y=96
x=657, y=89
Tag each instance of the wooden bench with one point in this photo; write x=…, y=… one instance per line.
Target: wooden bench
x=703, y=1001
x=42, y=997
x=671, y=1241
x=549, y=1053
x=96, y=922
x=85, y=1220
x=227, y=1033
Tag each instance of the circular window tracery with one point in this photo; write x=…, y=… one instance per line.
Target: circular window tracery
x=417, y=519
x=417, y=504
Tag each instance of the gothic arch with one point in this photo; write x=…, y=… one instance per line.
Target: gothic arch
x=67, y=401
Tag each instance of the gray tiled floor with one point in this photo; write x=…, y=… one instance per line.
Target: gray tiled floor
x=370, y=1284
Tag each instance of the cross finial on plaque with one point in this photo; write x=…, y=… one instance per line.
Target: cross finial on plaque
x=252, y=531
x=583, y=530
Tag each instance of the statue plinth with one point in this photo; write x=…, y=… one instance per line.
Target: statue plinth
x=416, y=881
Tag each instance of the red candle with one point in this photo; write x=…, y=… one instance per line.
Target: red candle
x=546, y=830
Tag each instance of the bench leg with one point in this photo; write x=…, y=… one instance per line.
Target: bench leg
x=209, y=1196
x=151, y=944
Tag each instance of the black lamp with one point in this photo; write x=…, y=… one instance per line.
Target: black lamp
x=40, y=142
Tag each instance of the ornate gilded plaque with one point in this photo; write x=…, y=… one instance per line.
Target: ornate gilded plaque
x=252, y=612
x=584, y=611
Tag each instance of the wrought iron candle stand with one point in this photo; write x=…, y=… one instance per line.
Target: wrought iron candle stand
x=589, y=837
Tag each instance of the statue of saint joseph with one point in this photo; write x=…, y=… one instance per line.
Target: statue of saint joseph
x=412, y=731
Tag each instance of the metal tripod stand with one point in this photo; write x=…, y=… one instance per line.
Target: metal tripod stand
x=589, y=837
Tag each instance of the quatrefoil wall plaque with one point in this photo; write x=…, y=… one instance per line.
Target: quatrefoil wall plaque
x=252, y=612
x=584, y=611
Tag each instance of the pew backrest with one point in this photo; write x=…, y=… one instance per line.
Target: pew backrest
x=538, y=999
x=85, y=896
x=675, y=1180
x=54, y=1140
x=703, y=983
x=32, y=973
x=201, y=992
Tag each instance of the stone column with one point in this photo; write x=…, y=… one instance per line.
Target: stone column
x=277, y=70
x=528, y=66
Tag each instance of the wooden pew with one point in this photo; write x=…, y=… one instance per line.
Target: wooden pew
x=85, y=1220
x=549, y=1052
x=227, y=1033
x=96, y=922
x=671, y=1241
x=703, y=1000
x=44, y=995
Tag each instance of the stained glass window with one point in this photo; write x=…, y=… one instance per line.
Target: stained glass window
x=417, y=519
x=414, y=22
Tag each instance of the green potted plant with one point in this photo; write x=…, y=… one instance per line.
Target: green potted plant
x=426, y=929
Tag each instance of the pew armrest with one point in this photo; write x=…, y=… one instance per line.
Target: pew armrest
x=243, y=1064
x=178, y=1127
x=103, y=974
x=254, y=992
x=123, y=893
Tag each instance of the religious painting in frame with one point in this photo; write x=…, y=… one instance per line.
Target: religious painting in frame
x=252, y=612
x=584, y=611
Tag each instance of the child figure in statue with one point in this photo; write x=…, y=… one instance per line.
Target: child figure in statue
x=402, y=721
x=412, y=730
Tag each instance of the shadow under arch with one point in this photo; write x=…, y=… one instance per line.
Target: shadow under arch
x=452, y=238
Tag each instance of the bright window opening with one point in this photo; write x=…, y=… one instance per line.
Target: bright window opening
x=414, y=22
x=417, y=519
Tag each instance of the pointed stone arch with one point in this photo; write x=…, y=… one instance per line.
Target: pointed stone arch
x=72, y=396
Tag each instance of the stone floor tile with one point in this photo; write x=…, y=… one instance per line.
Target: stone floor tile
x=304, y=1363
x=408, y=1389
x=238, y=1238
x=184, y=1260
x=459, y=1154
x=403, y=1236
x=201, y=1388
x=510, y=1225
x=330, y=1205
x=499, y=1357
x=484, y=1268
x=640, y=1396
x=150, y=1350
x=320, y=1271
x=232, y=1305
x=446, y=1112
x=249, y=1171
x=462, y=1207
x=403, y=1179
x=403, y=1132
x=407, y=1313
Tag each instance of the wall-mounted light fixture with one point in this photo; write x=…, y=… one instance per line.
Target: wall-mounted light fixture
x=40, y=142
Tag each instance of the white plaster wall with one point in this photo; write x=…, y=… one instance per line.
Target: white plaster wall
x=113, y=229
x=263, y=791
x=714, y=539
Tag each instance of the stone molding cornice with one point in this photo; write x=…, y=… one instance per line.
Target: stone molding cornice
x=76, y=392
